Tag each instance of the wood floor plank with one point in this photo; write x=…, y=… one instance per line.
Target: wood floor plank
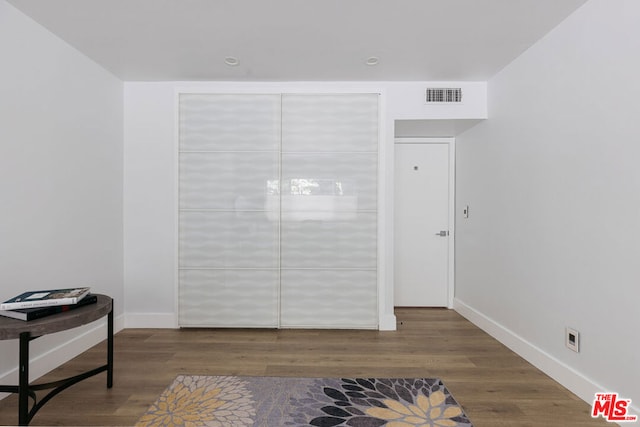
x=495, y=386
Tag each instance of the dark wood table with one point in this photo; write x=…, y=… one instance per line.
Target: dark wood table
x=26, y=331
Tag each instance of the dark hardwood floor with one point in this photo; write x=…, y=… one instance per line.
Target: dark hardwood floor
x=495, y=386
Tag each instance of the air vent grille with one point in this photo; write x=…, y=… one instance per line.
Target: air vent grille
x=443, y=95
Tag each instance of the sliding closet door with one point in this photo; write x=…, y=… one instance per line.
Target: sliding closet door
x=229, y=157
x=329, y=211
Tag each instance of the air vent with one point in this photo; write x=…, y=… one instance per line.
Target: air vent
x=441, y=95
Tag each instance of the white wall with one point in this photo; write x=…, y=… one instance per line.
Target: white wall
x=149, y=205
x=553, y=184
x=150, y=179
x=60, y=177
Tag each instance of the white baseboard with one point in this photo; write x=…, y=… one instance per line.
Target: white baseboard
x=43, y=363
x=387, y=322
x=151, y=320
x=565, y=375
x=576, y=382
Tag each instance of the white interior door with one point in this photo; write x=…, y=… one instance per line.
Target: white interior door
x=421, y=257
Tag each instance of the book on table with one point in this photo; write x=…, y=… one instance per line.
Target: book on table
x=45, y=298
x=27, y=314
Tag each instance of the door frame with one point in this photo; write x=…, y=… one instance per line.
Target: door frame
x=451, y=142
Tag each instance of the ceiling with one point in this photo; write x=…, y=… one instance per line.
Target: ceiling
x=300, y=40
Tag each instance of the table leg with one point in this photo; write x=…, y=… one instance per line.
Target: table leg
x=110, y=349
x=23, y=380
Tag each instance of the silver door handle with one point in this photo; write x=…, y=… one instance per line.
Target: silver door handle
x=443, y=233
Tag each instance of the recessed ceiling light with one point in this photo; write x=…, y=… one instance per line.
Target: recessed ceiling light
x=372, y=60
x=231, y=61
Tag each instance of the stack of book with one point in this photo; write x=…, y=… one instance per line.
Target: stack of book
x=37, y=304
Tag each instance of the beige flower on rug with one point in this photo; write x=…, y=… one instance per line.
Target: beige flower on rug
x=429, y=411
x=193, y=401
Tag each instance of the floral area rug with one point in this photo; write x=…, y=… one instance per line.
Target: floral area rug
x=227, y=401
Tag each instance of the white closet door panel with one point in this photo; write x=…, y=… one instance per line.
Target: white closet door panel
x=238, y=298
x=278, y=202
x=228, y=240
x=338, y=122
x=325, y=244
x=350, y=177
x=229, y=210
x=329, y=204
x=229, y=181
x=229, y=122
x=328, y=298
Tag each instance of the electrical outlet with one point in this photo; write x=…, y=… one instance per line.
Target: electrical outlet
x=572, y=339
